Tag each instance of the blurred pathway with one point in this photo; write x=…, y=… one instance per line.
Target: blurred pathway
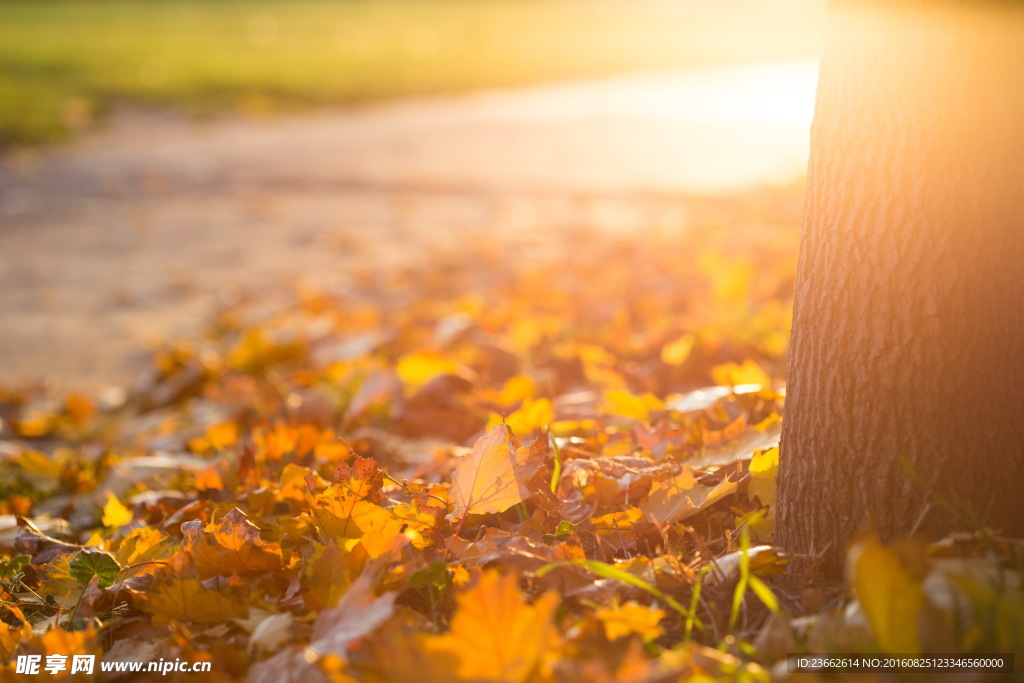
x=137, y=231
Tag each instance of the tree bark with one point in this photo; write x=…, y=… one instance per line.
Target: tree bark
x=908, y=326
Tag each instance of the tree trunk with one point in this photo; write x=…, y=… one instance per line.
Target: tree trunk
x=908, y=331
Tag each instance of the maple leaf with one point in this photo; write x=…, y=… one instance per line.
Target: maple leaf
x=230, y=546
x=341, y=512
x=495, y=635
x=630, y=618
x=493, y=477
x=363, y=478
x=683, y=496
x=142, y=545
x=179, y=595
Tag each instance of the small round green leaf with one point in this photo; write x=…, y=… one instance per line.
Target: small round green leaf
x=89, y=563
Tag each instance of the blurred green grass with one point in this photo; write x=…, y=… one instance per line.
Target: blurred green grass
x=63, y=63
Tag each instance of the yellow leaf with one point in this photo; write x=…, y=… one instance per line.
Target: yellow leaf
x=142, y=545
x=344, y=512
x=222, y=435
x=630, y=618
x=734, y=374
x=676, y=352
x=332, y=451
x=616, y=522
x=622, y=403
x=35, y=423
x=763, y=468
x=11, y=637
x=495, y=634
x=115, y=514
x=683, y=496
x=530, y=416
x=189, y=600
x=416, y=369
x=493, y=477
x=892, y=599
x=516, y=389
x=42, y=472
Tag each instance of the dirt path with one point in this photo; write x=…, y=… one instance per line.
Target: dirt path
x=136, y=232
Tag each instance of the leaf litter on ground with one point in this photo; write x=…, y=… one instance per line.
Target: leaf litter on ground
x=508, y=464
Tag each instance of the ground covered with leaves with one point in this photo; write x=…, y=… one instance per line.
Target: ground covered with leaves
x=539, y=458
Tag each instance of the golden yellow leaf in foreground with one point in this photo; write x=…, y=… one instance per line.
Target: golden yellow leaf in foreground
x=12, y=636
x=892, y=599
x=683, y=496
x=493, y=477
x=630, y=618
x=495, y=635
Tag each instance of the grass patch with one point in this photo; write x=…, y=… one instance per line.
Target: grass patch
x=66, y=62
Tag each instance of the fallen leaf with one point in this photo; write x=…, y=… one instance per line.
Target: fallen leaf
x=629, y=618
x=622, y=403
x=90, y=563
x=493, y=477
x=891, y=598
x=495, y=635
x=740, y=374
x=115, y=514
x=683, y=496
x=763, y=468
x=677, y=351
x=12, y=634
x=230, y=546
x=179, y=595
x=357, y=614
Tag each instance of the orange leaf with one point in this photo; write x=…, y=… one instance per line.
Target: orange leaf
x=11, y=637
x=349, y=509
x=495, y=635
x=230, y=546
x=493, y=477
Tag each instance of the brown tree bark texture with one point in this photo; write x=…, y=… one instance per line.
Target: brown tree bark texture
x=908, y=329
